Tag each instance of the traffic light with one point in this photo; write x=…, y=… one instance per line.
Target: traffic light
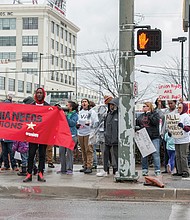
x=149, y=40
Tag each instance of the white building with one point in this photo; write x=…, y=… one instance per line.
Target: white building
x=39, y=44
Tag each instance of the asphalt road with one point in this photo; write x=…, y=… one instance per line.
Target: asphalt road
x=48, y=209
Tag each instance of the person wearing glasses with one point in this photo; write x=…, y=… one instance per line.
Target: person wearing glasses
x=182, y=143
x=150, y=119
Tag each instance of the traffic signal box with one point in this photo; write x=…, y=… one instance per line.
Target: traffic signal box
x=149, y=40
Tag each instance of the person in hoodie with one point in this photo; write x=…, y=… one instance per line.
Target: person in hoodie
x=39, y=97
x=111, y=137
x=150, y=120
x=182, y=143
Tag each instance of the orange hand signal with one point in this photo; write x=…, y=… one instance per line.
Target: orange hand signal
x=143, y=40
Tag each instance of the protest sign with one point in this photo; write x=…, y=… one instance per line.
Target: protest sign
x=172, y=125
x=169, y=92
x=144, y=142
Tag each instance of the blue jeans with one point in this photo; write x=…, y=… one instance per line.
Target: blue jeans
x=7, y=150
x=155, y=155
x=171, y=161
x=24, y=157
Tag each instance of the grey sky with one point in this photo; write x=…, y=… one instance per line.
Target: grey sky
x=98, y=19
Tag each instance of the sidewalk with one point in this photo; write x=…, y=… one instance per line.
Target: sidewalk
x=84, y=186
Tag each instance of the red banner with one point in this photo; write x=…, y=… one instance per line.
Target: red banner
x=36, y=124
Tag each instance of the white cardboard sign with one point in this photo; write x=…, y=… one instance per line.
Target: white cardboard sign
x=172, y=125
x=169, y=92
x=144, y=142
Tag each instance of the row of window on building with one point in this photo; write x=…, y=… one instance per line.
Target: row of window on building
x=60, y=77
x=12, y=88
x=64, y=34
x=32, y=23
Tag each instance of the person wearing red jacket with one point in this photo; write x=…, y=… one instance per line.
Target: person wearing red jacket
x=39, y=100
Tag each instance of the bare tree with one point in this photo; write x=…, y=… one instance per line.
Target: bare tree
x=172, y=70
x=102, y=69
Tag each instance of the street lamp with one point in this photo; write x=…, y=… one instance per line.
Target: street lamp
x=40, y=69
x=181, y=40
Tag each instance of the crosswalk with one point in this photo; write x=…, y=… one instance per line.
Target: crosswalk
x=180, y=212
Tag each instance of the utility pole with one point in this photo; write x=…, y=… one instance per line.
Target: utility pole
x=126, y=151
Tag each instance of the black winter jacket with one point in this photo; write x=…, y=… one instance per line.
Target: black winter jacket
x=150, y=121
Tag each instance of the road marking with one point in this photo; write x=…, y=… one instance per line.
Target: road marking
x=180, y=212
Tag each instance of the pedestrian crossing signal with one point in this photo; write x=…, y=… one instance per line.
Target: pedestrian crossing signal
x=149, y=40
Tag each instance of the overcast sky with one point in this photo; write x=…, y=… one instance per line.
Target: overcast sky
x=98, y=20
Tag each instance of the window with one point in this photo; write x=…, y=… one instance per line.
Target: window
x=57, y=29
x=62, y=33
x=57, y=46
x=61, y=48
x=29, y=87
x=20, y=86
x=29, y=57
x=69, y=80
x=56, y=61
x=36, y=86
x=2, y=83
x=52, y=44
x=74, y=40
x=57, y=76
x=8, y=55
x=73, y=54
x=8, y=24
x=31, y=71
x=69, y=52
x=73, y=67
x=61, y=77
x=30, y=41
x=52, y=27
x=66, y=79
x=61, y=63
x=11, y=85
x=52, y=60
x=65, y=64
x=30, y=23
x=66, y=35
x=69, y=37
x=52, y=75
x=65, y=51
x=73, y=81
x=7, y=41
x=69, y=66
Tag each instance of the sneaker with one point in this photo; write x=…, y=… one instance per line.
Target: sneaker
x=102, y=173
x=145, y=173
x=185, y=174
x=157, y=173
x=88, y=171
x=60, y=172
x=50, y=165
x=165, y=171
x=69, y=172
x=83, y=170
x=176, y=174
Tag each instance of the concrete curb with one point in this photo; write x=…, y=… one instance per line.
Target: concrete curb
x=132, y=194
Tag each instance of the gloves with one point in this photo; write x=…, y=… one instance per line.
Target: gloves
x=181, y=125
x=169, y=134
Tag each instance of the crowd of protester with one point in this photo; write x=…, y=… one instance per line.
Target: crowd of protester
x=93, y=126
